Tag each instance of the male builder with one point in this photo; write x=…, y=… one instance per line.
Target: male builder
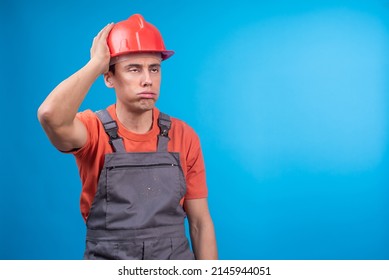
x=142, y=171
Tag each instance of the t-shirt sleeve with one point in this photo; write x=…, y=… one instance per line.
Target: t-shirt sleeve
x=195, y=177
x=89, y=119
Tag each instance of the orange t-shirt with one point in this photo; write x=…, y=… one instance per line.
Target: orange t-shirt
x=90, y=158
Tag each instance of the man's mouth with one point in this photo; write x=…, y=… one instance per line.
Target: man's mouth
x=147, y=95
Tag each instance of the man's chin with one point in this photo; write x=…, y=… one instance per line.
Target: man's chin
x=147, y=104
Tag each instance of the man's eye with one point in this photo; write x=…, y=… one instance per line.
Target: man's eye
x=155, y=70
x=132, y=69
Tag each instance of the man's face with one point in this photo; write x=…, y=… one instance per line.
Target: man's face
x=137, y=81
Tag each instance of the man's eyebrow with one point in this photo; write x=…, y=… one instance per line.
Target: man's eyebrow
x=133, y=65
x=140, y=65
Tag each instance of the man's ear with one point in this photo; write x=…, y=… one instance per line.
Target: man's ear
x=108, y=79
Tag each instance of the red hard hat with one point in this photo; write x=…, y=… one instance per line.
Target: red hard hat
x=136, y=35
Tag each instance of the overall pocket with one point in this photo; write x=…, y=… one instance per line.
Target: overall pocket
x=142, y=196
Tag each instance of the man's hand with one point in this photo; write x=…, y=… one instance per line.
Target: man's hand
x=99, y=51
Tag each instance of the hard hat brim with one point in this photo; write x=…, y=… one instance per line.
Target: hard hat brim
x=118, y=57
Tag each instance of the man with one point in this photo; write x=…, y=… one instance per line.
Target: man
x=142, y=172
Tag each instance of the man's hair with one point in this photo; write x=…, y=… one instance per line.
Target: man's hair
x=112, y=68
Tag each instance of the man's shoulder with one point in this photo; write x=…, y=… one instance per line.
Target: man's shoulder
x=180, y=127
x=86, y=113
x=90, y=115
x=87, y=116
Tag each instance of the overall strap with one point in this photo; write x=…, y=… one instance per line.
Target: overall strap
x=164, y=124
x=111, y=128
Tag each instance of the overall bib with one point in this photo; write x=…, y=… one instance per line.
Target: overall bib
x=136, y=212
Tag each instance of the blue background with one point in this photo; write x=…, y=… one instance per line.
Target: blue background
x=290, y=100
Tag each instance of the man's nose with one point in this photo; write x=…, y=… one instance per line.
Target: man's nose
x=146, y=79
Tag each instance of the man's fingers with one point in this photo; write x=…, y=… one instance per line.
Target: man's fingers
x=105, y=31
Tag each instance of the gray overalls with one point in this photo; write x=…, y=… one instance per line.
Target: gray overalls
x=136, y=212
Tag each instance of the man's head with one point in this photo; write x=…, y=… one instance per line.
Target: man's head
x=137, y=49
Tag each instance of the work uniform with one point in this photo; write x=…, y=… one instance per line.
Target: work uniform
x=136, y=212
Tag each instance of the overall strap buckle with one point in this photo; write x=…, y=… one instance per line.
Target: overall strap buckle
x=164, y=124
x=111, y=128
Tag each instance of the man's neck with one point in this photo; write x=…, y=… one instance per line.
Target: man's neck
x=137, y=122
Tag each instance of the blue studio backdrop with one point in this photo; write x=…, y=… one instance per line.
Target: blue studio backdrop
x=290, y=100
